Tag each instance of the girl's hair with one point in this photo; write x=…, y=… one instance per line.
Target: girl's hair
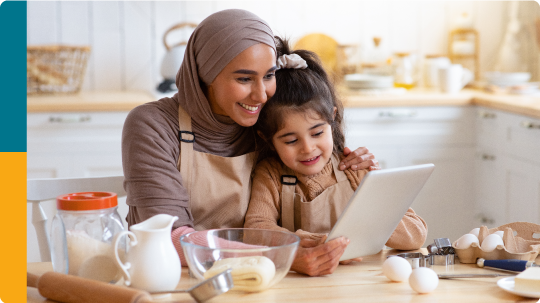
x=300, y=90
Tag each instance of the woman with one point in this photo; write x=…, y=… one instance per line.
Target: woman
x=192, y=155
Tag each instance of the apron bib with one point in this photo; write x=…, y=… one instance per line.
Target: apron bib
x=319, y=215
x=219, y=188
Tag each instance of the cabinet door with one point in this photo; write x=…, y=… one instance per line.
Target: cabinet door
x=446, y=202
x=489, y=182
x=522, y=183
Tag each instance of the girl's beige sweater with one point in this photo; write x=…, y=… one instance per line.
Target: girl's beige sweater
x=265, y=204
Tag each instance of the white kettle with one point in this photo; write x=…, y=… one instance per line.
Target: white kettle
x=173, y=59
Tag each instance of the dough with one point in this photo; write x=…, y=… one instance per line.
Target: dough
x=250, y=274
x=528, y=280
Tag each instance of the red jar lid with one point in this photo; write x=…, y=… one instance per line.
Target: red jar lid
x=87, y=201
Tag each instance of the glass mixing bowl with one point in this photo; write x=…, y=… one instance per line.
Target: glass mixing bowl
x=259, y=258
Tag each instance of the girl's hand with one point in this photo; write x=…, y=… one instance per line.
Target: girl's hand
x=316, y=258
x=361, y=158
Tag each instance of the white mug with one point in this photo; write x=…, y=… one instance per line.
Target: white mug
x=431, y=70
x=453, y=78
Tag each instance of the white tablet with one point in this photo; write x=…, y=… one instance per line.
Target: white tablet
x=377, y=206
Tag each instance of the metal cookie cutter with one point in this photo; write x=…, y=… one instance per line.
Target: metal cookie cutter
x=415, y=259
x=441, y=259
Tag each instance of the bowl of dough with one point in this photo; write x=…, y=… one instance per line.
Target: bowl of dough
x=259, y=258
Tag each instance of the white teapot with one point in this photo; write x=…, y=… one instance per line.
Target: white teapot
x=152, y=261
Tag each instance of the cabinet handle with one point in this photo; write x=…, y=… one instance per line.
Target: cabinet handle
x=398, y=114
x=488, y=157
x=70, y=119
x=484, y=219
x=530, y=125
x=486, y=115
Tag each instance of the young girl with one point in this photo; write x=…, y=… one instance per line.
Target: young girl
x=297, y=187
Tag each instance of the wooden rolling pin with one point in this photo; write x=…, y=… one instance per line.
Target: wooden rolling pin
x=73, y=289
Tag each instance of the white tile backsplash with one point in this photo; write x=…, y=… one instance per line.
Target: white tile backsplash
x=126, y=36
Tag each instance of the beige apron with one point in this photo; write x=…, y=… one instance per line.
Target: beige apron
x=319, y=215
x=218, y=187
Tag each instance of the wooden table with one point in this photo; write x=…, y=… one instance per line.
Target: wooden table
x=358, y=282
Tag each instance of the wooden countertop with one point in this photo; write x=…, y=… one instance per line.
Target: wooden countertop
x=88, y=101
x=125, y=101
x=357, y=282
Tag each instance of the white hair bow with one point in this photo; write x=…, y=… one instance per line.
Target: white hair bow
x=291, y=61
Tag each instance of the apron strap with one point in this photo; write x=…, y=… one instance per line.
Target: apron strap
x=340, y=175
x=288, y=186
x=186, y=138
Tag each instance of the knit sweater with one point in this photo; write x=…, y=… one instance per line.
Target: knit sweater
x=265, y=205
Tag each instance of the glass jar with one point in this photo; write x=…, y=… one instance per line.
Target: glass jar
x=404, y=71
x=82, y=235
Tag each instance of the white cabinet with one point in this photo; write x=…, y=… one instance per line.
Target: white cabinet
x=507, y=168
x=63, y=145
x=444, y=136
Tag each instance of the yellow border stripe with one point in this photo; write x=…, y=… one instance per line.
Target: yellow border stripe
x=13, y=227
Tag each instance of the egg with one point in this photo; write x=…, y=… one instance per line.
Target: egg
x=466, y=240
x=491, y=242
x=500, y=233
x=475, y=231
x=396, y=269
x=423, y=280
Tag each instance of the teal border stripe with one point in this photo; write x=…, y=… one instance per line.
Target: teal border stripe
x=13, y=76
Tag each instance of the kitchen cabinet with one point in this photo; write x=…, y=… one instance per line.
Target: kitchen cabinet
x=444, y=136
x=64, y=145
x=507, y=168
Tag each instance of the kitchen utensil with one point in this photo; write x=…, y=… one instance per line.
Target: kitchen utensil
x=173, y=58
x=209, y=250
x=442, y=260
x=82, y=233
x=415, y=259
x=507, y=79
x=73, y=289
x=431, y=69
x=508, y=285
x=405, y=73
x=207, y=289
x=510, y=264
x=453, y=78
x=152, y=261
x=444, y=246
x=444, y=276
x=366, y=81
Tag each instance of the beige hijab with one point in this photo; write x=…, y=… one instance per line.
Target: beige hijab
x=214, y=43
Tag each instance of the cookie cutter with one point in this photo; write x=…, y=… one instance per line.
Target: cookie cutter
x=415, y=259
x=443, y=260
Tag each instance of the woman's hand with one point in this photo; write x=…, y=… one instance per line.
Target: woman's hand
x=361, y=158
x=346, y=262
x=316, y=258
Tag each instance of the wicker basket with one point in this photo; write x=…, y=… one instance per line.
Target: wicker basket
x=55, y=68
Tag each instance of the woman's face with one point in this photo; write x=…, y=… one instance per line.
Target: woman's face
x=244, y=85
x=304, y=143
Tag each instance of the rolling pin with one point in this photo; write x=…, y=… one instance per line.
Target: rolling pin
x=73, y=289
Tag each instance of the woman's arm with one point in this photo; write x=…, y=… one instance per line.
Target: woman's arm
x=149, y=157
x=361, y=158
x=410, y=234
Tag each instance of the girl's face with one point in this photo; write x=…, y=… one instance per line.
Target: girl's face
x=305, y=142
x=244, y=85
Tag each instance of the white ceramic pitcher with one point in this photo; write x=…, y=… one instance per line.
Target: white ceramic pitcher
x=152, y=261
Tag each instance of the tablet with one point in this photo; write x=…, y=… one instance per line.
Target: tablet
x=376, y=208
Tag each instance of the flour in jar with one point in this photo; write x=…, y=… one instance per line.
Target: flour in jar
x=90, y=258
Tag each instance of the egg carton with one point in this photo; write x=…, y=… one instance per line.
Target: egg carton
x=521, y=246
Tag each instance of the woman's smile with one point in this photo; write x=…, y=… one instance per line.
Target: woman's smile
x=251, y=109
